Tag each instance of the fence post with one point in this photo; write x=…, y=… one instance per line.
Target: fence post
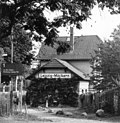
x=11, y=96
x=21, y=90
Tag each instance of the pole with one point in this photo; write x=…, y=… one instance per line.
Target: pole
x=0, y=75
x=16, y=82
x=21, y=93
x=11, y=86
x=12, y=49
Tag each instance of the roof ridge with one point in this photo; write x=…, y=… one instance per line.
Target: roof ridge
x=78, y=36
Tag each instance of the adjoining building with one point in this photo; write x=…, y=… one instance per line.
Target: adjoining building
x=75, y=64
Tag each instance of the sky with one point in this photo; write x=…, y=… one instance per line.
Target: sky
x=102, y=23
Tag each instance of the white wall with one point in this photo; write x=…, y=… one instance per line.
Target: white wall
x=83, y=85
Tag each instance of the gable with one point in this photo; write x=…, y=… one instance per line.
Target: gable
x=84, y=47
x=61, y=66
x=53, y=64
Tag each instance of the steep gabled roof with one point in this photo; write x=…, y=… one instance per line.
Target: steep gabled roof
x=84, y=47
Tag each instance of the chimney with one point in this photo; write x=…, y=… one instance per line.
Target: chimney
x=71, y=39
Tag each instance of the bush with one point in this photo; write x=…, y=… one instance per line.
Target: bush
x=56, y=91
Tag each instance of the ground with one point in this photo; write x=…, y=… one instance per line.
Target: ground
x=41, y=115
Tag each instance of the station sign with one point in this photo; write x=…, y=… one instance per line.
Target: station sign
x=12, y=69
x=53, y=75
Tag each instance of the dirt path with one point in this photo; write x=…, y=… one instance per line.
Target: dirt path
x=51, y=118
x=57, y=119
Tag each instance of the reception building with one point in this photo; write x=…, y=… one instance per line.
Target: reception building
x=75, y=64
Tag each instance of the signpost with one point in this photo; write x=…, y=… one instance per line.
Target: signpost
x=12, y=69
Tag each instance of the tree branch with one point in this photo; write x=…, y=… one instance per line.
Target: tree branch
x=116, y=82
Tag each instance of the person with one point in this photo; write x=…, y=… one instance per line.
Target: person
x=15, y=101
x=82, y=97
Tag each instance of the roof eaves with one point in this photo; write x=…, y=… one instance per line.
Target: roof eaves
x=78, y=72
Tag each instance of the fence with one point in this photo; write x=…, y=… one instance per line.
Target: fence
x=87, y=102
x=108, y=100
x=4, y=104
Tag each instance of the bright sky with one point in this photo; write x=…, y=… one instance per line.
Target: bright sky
x=102, y=23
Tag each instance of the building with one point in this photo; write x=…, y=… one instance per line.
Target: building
x=76, y=63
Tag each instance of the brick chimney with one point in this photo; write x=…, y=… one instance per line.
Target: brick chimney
x=71, y=39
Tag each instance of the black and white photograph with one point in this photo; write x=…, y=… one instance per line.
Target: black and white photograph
x=59, y=61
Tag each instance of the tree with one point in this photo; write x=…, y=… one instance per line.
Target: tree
x=31, y=15
x=22, y=46
x=108, y=63
x=22, y=50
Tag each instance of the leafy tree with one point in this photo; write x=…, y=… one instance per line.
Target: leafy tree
x=21, y=50
x=31, y=15
x=96, y=77
x=22, y=46
x=107, y=67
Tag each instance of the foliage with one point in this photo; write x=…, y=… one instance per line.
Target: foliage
x=63, y=47
x=31, y=15
x=114, y=5
x=61, y=91
x=96, y=77
x=107, y=65
x=22, y=46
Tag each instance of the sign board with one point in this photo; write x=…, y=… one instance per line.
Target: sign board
x=12, y=69
x=53, y=75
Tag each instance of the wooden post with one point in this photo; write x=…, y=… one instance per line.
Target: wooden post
x=16, y=82
x=21, y=93
x=11, y=90
x=11, y=96
x=0, y=74
x=46, y=103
